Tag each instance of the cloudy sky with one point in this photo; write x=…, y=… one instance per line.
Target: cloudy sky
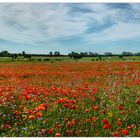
x=41, y=28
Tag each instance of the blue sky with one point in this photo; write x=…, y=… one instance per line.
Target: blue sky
x=41, y=28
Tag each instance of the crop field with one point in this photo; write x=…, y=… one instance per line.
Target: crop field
x=68, y=59
x=67, y=99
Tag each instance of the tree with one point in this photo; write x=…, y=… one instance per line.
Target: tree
x=121, y=56
x=23, y=53
x=92, y=54
x=75, y=55
x=137, y=54
x=84, y=54
x=57, y=53
x=108, y=53
x=14, y=56
x=51, y=53
x=4, y=54
x=127, y=54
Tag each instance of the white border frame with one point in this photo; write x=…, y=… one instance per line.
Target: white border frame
x=70, y=1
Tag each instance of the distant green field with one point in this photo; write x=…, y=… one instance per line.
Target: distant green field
x=53, y=59
x=113, y=58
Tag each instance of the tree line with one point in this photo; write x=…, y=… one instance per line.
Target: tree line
x=71, y=55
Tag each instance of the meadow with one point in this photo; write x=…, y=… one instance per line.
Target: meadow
x=68, y=59
x=71, y=98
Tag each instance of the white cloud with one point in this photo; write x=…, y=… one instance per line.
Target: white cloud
x=119, y=31
x=34, y=23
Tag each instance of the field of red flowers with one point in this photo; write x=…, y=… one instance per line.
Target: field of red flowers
x=79, y=99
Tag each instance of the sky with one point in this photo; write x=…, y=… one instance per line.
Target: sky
x=65, y=27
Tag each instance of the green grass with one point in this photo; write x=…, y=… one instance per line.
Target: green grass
x=68, y=59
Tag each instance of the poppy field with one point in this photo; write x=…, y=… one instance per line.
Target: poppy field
x=67, y=99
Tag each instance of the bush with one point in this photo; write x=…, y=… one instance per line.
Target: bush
x=121, y=56
x=58, y=59
x=46, y=59
x=39, y=59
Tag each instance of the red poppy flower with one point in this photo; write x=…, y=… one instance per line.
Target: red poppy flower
x=17, y=117
x=69, y=124
x=73, y=107
x=7, y=126
x=39, y=114
x=95, y=107
x=133, y=125
x=107, y=126
x=120, y=107
x=116, y=134
x=17, y=112
x=87, y=120
x=95, y=90
x=129, y=127
x=50, y=131
x=57, y=135
x=66, y=105
x=42, y=107
x=60, y=101
x=27, y=97
x=94, y=119
x=125, y=132
x=105, y=121
x=73, y=121
x=138, y=133
x=138, y=102
x=66, y=120
x=57, y=126
x=31, y=117
x=87, y=110
x=119, y=122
